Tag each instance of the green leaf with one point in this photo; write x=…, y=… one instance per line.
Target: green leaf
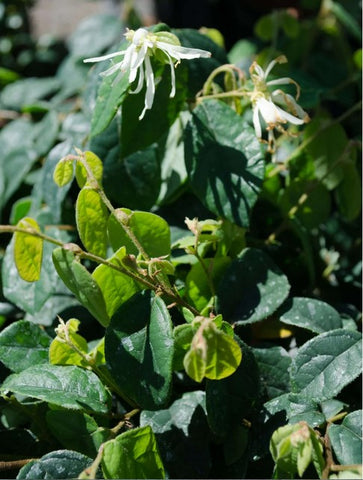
x=183, y=336
x=182, y=433
x=27, y=91
x=23, y=344
x=28, y=251
x=94, y=34
x=198, y=288
x=224, y=161
x=63, y=172
x=116, y=287
x=309, y=313
x=293, y=448
x=152, y=231
x=95, y=165
x=66, y=386
x=231, y=399
x=265, y=27
x=346, y=439
x=92, y=217
x=62, y=464
x=348, y=194
x=31, y=296
x=81, y=283
x=327, y=363
x=140, y=340
x=133, y=454
x=61, y=352
x=75, y=430
x=252, y=288
x=313, y=201
x=273, y=363
x=110, y=97
x=326, y=147
x=135, y=180
x=159, y=119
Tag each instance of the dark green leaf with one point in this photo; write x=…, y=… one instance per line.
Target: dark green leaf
x=140, y=340
x=62, y=464
x=182, y=433
x=133, y=454
x=348, y=194
x=346, y=439
x=224, y=161
x=23, y=344
x=327, y=363
x=231, y=400
x=273, y=364
x=252, y=288
x=66, y=386
x=311, y=314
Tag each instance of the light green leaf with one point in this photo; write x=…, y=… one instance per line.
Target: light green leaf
x=61, y=352
x=66, y=386
x=133, y=454
x=140, y=340
x=327, y=363
x=195, y=363
x=63, y=172
x=115, y=286
x=311, y=314
x=95, y=165
x=81, y=283
x=92, y=217
x=23, y=344
x=152, y=231
x=346, y=439
x=28, y=251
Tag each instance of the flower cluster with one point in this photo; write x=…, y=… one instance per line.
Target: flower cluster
x=136, y=60
x=265, y=103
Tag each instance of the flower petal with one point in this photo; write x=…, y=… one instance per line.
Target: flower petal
x=104, y=57
x=256, y=122
x=178, y=52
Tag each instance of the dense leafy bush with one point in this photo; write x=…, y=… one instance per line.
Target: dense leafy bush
x=181, y=292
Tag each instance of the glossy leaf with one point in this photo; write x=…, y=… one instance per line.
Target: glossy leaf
x=182, y=433
x=55, y=384
x=23, y=344
x=133, y=454
x=62, y=464
x=92, y=217
x=346, y=439
x=224, y=161
x=28, y=250
x=140, y=340
x=152, y=232
x=116, y=287
x=309, y=313
x=81, y=283
x=273, y=363
x=252, y=288
x=324, y=365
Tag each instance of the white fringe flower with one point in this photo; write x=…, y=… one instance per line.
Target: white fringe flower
x=136, y=60
x=265, y=103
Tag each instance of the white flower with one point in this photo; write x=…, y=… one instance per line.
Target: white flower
x=136, y=60
x=265, y=102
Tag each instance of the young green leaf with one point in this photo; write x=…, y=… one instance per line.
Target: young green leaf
x=346, y=439
x=63, y=172
x=115, y=286
x=133, y=454
x=28, y=251
x=94, y=164
x=68, y=348
x=81, y=283
x=92, y=217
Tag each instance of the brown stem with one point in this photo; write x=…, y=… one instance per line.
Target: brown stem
x=15, y=464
